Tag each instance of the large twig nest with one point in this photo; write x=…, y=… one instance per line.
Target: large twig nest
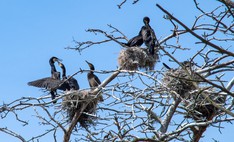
x=180, y=81
x=199, y=107
x=195, y=98
x=133, y=58
x=75, y=100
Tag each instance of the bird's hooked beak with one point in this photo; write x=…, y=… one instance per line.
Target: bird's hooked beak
x=57, y=59
x=61, y=64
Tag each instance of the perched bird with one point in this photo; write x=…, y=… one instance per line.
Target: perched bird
x=71, y=83
x=49, y=83
x=93, y=79
x=135, y=41
x=54, y=73
x=148, y=35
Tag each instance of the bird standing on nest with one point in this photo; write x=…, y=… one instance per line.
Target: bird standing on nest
x=49, y=83
x=71, y=83
x=148, y=35
x=93, y=79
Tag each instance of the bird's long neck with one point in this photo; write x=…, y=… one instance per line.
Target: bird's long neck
x=147, y=25
x=64, y=72
x=53, y=69
x=92, y=70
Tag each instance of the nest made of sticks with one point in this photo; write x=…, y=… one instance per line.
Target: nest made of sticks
x=180, y=81
x=199, y=107
x=74, y=101
x=133, y=58
x=187, y=85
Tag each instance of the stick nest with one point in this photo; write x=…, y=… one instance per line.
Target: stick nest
x=186, y=85
x=74, y=101
x=180, y=81
x=200, y=108
x=133, y=58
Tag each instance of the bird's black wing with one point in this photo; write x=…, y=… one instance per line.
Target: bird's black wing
x=47, y=83
x=73, y=84
x=153, y=35
x=97, y=80
x=98, y=83
x=135, y=41
x=40, y=83
x=63, y=86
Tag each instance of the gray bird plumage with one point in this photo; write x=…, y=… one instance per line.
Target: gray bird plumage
x=93, y=79
x=49, y=83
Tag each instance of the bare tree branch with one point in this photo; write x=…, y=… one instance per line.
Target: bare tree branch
x=196, y=35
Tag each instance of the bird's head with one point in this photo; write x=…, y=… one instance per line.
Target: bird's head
x=55, y=59
x=90, y=65
x=61, y=64
x=146, y=20
x=63, y=69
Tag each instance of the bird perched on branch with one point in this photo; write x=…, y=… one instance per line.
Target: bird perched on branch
x=93, y=79
x=71, y=83
x=148, y=35
x=49, y=83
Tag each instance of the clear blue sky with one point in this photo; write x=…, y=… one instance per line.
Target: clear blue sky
x=33, y=31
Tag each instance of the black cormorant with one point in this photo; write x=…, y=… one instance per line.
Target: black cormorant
x=93, y=79
x=148, y=35
x=71, y=83
x=49, y=83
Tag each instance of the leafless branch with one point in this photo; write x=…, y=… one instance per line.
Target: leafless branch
x=194, y=34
